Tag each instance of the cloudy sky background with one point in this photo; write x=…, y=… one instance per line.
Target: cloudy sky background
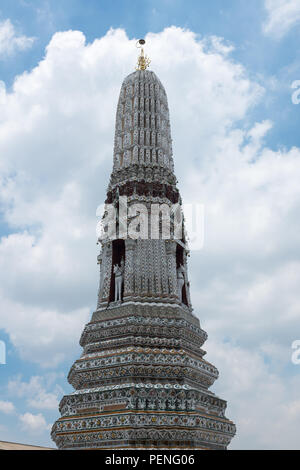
x=228, y=72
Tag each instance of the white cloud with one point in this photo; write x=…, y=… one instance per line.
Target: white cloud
x=46, y=337
x=265, y=408
x=56, y=139
x=35, y=392
x=7, y=407
x=10, y=41
x=34, y=424
x=283, y=15
x=219, y=45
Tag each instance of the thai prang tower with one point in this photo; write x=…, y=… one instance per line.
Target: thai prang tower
x=142, y=381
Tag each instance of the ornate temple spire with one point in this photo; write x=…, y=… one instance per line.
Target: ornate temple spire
x=142, y=381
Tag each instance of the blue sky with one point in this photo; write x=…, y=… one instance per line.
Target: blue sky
x=236, y=148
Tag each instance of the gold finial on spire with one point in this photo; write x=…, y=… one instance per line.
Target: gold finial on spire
x=143, y=60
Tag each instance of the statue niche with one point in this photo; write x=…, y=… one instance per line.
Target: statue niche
x=117, y=274
x=181, y=274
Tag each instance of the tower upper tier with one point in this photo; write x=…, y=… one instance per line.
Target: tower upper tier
x=142, y=133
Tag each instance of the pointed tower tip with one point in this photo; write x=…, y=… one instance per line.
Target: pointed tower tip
x=143, y=61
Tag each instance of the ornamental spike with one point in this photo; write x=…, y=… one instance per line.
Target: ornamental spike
x=143, y=61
